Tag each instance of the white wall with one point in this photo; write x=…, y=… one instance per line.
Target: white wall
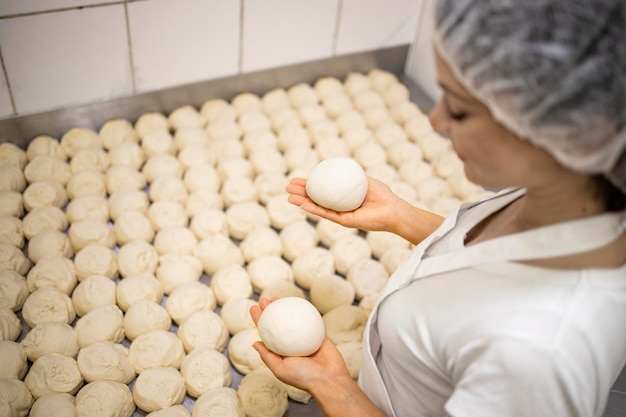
x=59, y=53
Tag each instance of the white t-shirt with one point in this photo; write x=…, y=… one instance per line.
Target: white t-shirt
x=502, y=338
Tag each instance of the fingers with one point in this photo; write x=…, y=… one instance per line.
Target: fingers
x=257, y=309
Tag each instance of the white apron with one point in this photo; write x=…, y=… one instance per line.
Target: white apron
x=541, y=243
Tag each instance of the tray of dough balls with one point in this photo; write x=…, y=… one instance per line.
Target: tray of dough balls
x=130, y=255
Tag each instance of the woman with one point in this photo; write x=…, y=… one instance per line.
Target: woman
x=515, y=305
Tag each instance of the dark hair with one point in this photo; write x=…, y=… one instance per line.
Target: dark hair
x=614, y=198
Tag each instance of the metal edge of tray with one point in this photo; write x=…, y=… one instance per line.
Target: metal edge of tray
x=21, y=129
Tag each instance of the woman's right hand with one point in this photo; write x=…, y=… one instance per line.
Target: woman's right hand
x=379, y=210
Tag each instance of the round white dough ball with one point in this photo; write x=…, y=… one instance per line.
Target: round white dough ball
x=244, y=102
x=127, y=153
x=394, y=257
x=237, y=190
x=13, y=290
x=179, y=240
x=86, y=182
x=185, y=116
x=123, y=177
x=49, y=243
x=367, y=276
x=151, y=122
x=13, y=259
x=199, y=177
x=43, y=194
x=88, y=232
x=48, y=304
x=282, y=289
x=127, y=200
x=217, y=108
x=187, y=298
x=106, y=361
x=262, y=395
x=138, y=287
x=93, y=291
x=58, y=404
x=137, y=257
x=348, y=250
x=53, y=271
x=218, y=402
x=382, y=241
x=104, y=399
x=102, y=324
x=352, y=353
x=262, y=240
x=10, y=325
x=166, y=214
x=47, y=168
x=312, y=264
x=50, y=337
x=133, y=225
x=159, y=142
x=203, y=328
x=329, y=232
x=87, y=207
x=176, y=269
x=241, y=353
x=53, y=373
x=162, y=164
x=201, y=200
x=11, y=203
x=205, y=368
x=297, y=238
x=15, y=398
x=116, y=131
x=158, y=388
x=178, y=410
x=13, y=360
x=44, y=218
x=236, y=314
x=158, y=348
x=144, y=316
x=208, y=222
x=330, y=291
x=345, y=323
x=291, y=326
x=282, y=213
x=230, y=281
x=267, y=270
x=339, y=184
x=96, y=259
x=216, y=251
x=78, y=138
x=44, y=145
x=168, y=188
x=12, y=155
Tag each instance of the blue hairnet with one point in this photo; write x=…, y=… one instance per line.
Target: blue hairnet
x=552, y=71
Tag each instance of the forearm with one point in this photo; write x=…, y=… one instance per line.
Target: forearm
x=342, y=397
x=414, y=224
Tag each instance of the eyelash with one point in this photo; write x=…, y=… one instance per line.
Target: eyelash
x=457, y=117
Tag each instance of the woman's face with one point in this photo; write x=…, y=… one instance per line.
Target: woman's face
x=493, y=156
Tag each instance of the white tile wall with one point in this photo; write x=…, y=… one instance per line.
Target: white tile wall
x=64, y=58
x=184, y=41
x=373, y=24
x=282, y=32
x=66, y=52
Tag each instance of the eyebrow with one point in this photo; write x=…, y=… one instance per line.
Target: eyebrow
x=452, y=92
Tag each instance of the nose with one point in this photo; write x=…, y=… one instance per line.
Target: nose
x=439, y=118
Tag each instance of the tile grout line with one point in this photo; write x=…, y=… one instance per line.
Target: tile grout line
x=333, y=51
x=6, y=78
x=130, y=49
x=63, y=9
x=241, y=34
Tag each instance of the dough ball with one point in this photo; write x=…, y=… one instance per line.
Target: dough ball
x=350, y=119
x=177, y=410
x=241, y=353
x=370, y=154
x=216, y=109
x=293, y=134
x=104, y=399
x=86, y=183
x=133, y=225
x=434, y=145
x=463, y=187
x=237, y=190
x=78, y=138
x=93, y=291
x=90, y=160
x=323, y=129
x=91, y=232
x=205, y=368
x=44, y=193
x=234, y=167
x=404, y=111
x=176, y=269
x=282, y=213
x=432, y=189
x=415, y=171
x=446, y=204
x=236, y=314
x=330, y=148
x=244, y=102
x=394, y=257
x=348, y=250
x=106, y=361
x=192, y=155
x=259, y=139
x=209, y=222
x=13, y=290
x=58, y=404
x=312, y=264
x=158, y=388
x=48, y=304
x=218, y=402
x=345, y=323
x=137, y=257
x=302, y=94
x=162, y=164
x=291, y=326
x=267, y=270
x=187, y=298
x=275, y=99
x=262, y=395
x=10, y=325
x=157, y=348
x=377, y=116
x=226, y=147
x=203, y=199
x=53, y=271
x=367, y=99
x=11, y=203
x=116, y=131
x=144, y=316
x=203, y=328
x=151, y=122
x=337, y=103
x=44, y=218
x=138, y=287
x=301, y=156
x=13, y=259
x=403, y=150
x=254, y=121
x=49, y=337
x=185, y=116
x=15, y=398
x=338, y=183
x=260, y=241
x=381, y=80
x=127, y=153
x=87, y=207
x=102, y=324
x=390, y=134
x=178, y=240
x=367, y=276
x=383, y=172
x=12, y=155
x=330, y=291
x=298, y=237
x=395, y=93
x=231, y=280
x=224, y=129
x=123, y=177
x=95, y=259
x=329, y=232
x=53, y=373
x=168, y=188
x=268, y=160
x=352, y=353
x=159, y=142
x=47, y=168
x=201, y=177
x=216, y=251
x=167, y=214
x=44, y=145
x=282, y=289
x=381, y=241
x=13, y=364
